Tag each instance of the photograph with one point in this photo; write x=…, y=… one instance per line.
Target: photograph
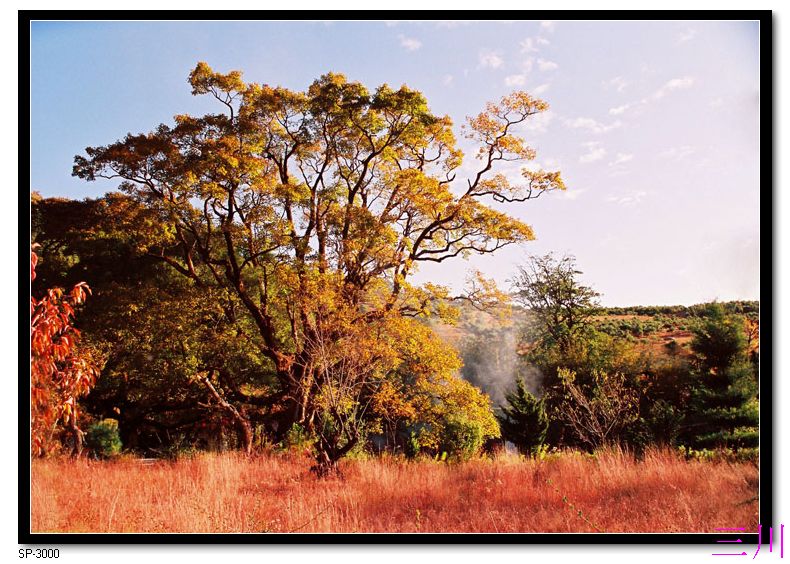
x=357, y=278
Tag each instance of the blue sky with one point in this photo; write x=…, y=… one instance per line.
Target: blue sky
x=653, y=124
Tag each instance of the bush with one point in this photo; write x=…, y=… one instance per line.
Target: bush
x=524, y=421
x=412, y=446
x=298, y=438
x=103, y=440
x=721, y=454
x=179, y=449
x=461, y=438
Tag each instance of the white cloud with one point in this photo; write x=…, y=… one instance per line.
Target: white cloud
x=409, y=43
x=629, y=199
x=451, y=24
x=687, y=35
x=592, y=125
x=526, y=65
x=516, y=80
x=621, y=158
x=552, y=163
x=669, y=86
x=717, y=103
x=674, y=84
x=529, y=45
x=545, y=65
x=541, y=88
x=594, y=152
x=539, y=123
x=618, y=83
x=391, y=23
x=447, y=80
x=570, y=194
x=548, y=25
x=490, y=59
x=679, y=152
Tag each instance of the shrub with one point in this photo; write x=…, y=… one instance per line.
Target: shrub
x=524, y=421
x=177, y=450
x=298, y=438
x=412, y=447
x=461, y=437
x=103, y=440
x=664, y=422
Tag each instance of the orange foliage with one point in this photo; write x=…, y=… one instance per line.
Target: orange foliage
x=59, y=373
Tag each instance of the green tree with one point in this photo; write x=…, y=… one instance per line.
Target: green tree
x=103, y=438
x=524, y=421
x=177, y=365
x=562, y=338
x=719, y=340
x=550, y=290
x=724, y=409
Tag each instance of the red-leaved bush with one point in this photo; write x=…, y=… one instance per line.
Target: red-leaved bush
x=60, y=372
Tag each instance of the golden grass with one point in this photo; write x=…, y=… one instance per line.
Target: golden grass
x=277, y=493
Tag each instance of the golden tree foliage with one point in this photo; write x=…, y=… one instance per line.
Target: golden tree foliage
x=315, y=208
x=424, y=388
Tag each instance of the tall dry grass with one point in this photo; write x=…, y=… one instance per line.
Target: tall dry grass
x=277, y=493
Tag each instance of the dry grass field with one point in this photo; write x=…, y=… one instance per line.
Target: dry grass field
x=277, y=493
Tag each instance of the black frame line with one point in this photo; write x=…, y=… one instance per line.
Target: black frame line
x=767, y=321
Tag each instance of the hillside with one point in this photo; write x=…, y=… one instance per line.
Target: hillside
x=493, y=345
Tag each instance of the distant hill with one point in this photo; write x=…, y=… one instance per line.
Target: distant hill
x=489, y=343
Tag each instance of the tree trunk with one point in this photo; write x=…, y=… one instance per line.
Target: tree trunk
x=77, y=435
x=328, y=455
x=245, y=435
x=242, y=422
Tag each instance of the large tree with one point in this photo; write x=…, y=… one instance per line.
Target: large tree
x=175, y=365
x=314, y=208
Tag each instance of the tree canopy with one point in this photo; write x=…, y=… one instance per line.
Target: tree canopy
x=312, y=209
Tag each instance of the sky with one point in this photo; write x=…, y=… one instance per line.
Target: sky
x=654, y=125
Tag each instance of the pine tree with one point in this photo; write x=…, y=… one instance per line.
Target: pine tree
x=724, y=406
x=524, y=422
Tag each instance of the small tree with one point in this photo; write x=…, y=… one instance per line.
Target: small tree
x=550, y=290
x=461, y=437
x=524, y=421
x=600, y=413
x=724, y=410
x=60, y=373
x=103, y=438
x=350, y=368
x=719, y=340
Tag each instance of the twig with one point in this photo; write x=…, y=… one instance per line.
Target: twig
x=578, y=511
x=112, y=512
x=496, y=529
x=313, y=518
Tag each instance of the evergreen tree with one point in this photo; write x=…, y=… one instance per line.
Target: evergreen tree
x=524, y=421
x=720, y=340
x=724, y=406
